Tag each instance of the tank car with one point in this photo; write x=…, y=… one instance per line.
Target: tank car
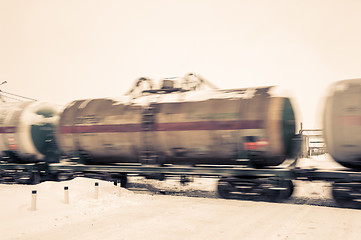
x=27, y=131
x=180, y=124
x=342, y=122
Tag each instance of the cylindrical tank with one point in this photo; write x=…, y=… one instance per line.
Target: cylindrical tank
x=104, y=130
x=192, y=127
x=27, y=130
x=342, y=122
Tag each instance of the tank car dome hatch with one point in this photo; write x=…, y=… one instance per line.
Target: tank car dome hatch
x=342, y=122
x=168, y=84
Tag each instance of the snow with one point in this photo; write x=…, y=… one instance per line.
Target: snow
x=192, y=211
x=323, y=161
x=190, y=96
x=197, y=96
x=343, y=85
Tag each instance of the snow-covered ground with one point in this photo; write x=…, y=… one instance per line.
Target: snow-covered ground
x=184, y=212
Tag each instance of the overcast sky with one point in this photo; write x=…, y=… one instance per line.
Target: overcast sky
x=62, y=50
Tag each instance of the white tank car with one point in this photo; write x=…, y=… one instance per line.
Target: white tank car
x=176, y=126
x=342, y=122
x=27, y=130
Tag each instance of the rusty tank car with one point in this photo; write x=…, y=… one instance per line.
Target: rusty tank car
x=27, y=131
x=180, y=123
x=342, y=122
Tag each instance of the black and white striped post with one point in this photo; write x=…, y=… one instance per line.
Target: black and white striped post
x=33, y=200
x=66, y=195
x=96, y=190
x=119, y=188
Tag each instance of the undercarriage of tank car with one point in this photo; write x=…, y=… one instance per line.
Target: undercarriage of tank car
x=252, y=188
x=347, y=194
x=346, y=184
x=19, y=176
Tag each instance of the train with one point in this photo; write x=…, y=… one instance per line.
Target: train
x=27, y=131
x=186, y=126
x=174, y=125
x=342, y=123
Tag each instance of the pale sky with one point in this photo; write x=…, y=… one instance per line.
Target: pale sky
x=62, y=50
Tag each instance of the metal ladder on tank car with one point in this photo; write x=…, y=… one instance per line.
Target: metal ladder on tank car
x=147, y=153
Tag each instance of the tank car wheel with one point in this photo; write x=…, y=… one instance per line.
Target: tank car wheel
x=284, y=192
x=225, y=188
x=28, y=178
x=64, y=176
x=123, y=181
x=35, y=178
x=290, y=188
x=341, y=197
x=271, y=195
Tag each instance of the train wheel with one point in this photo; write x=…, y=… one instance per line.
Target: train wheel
x=272, y=195
x=279, y=191
x=26, y=177
x=64, y=176
x=225, y=188
x=341, y=195
x=124, y=181
x=290, y=188
x=34, y=179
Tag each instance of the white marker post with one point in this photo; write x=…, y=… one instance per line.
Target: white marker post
x=119, y=188
x=96, y=190
x=115, y=184
x=66, y=195
x=33, y=200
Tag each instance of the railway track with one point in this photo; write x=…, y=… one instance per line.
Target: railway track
x=305, y=193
